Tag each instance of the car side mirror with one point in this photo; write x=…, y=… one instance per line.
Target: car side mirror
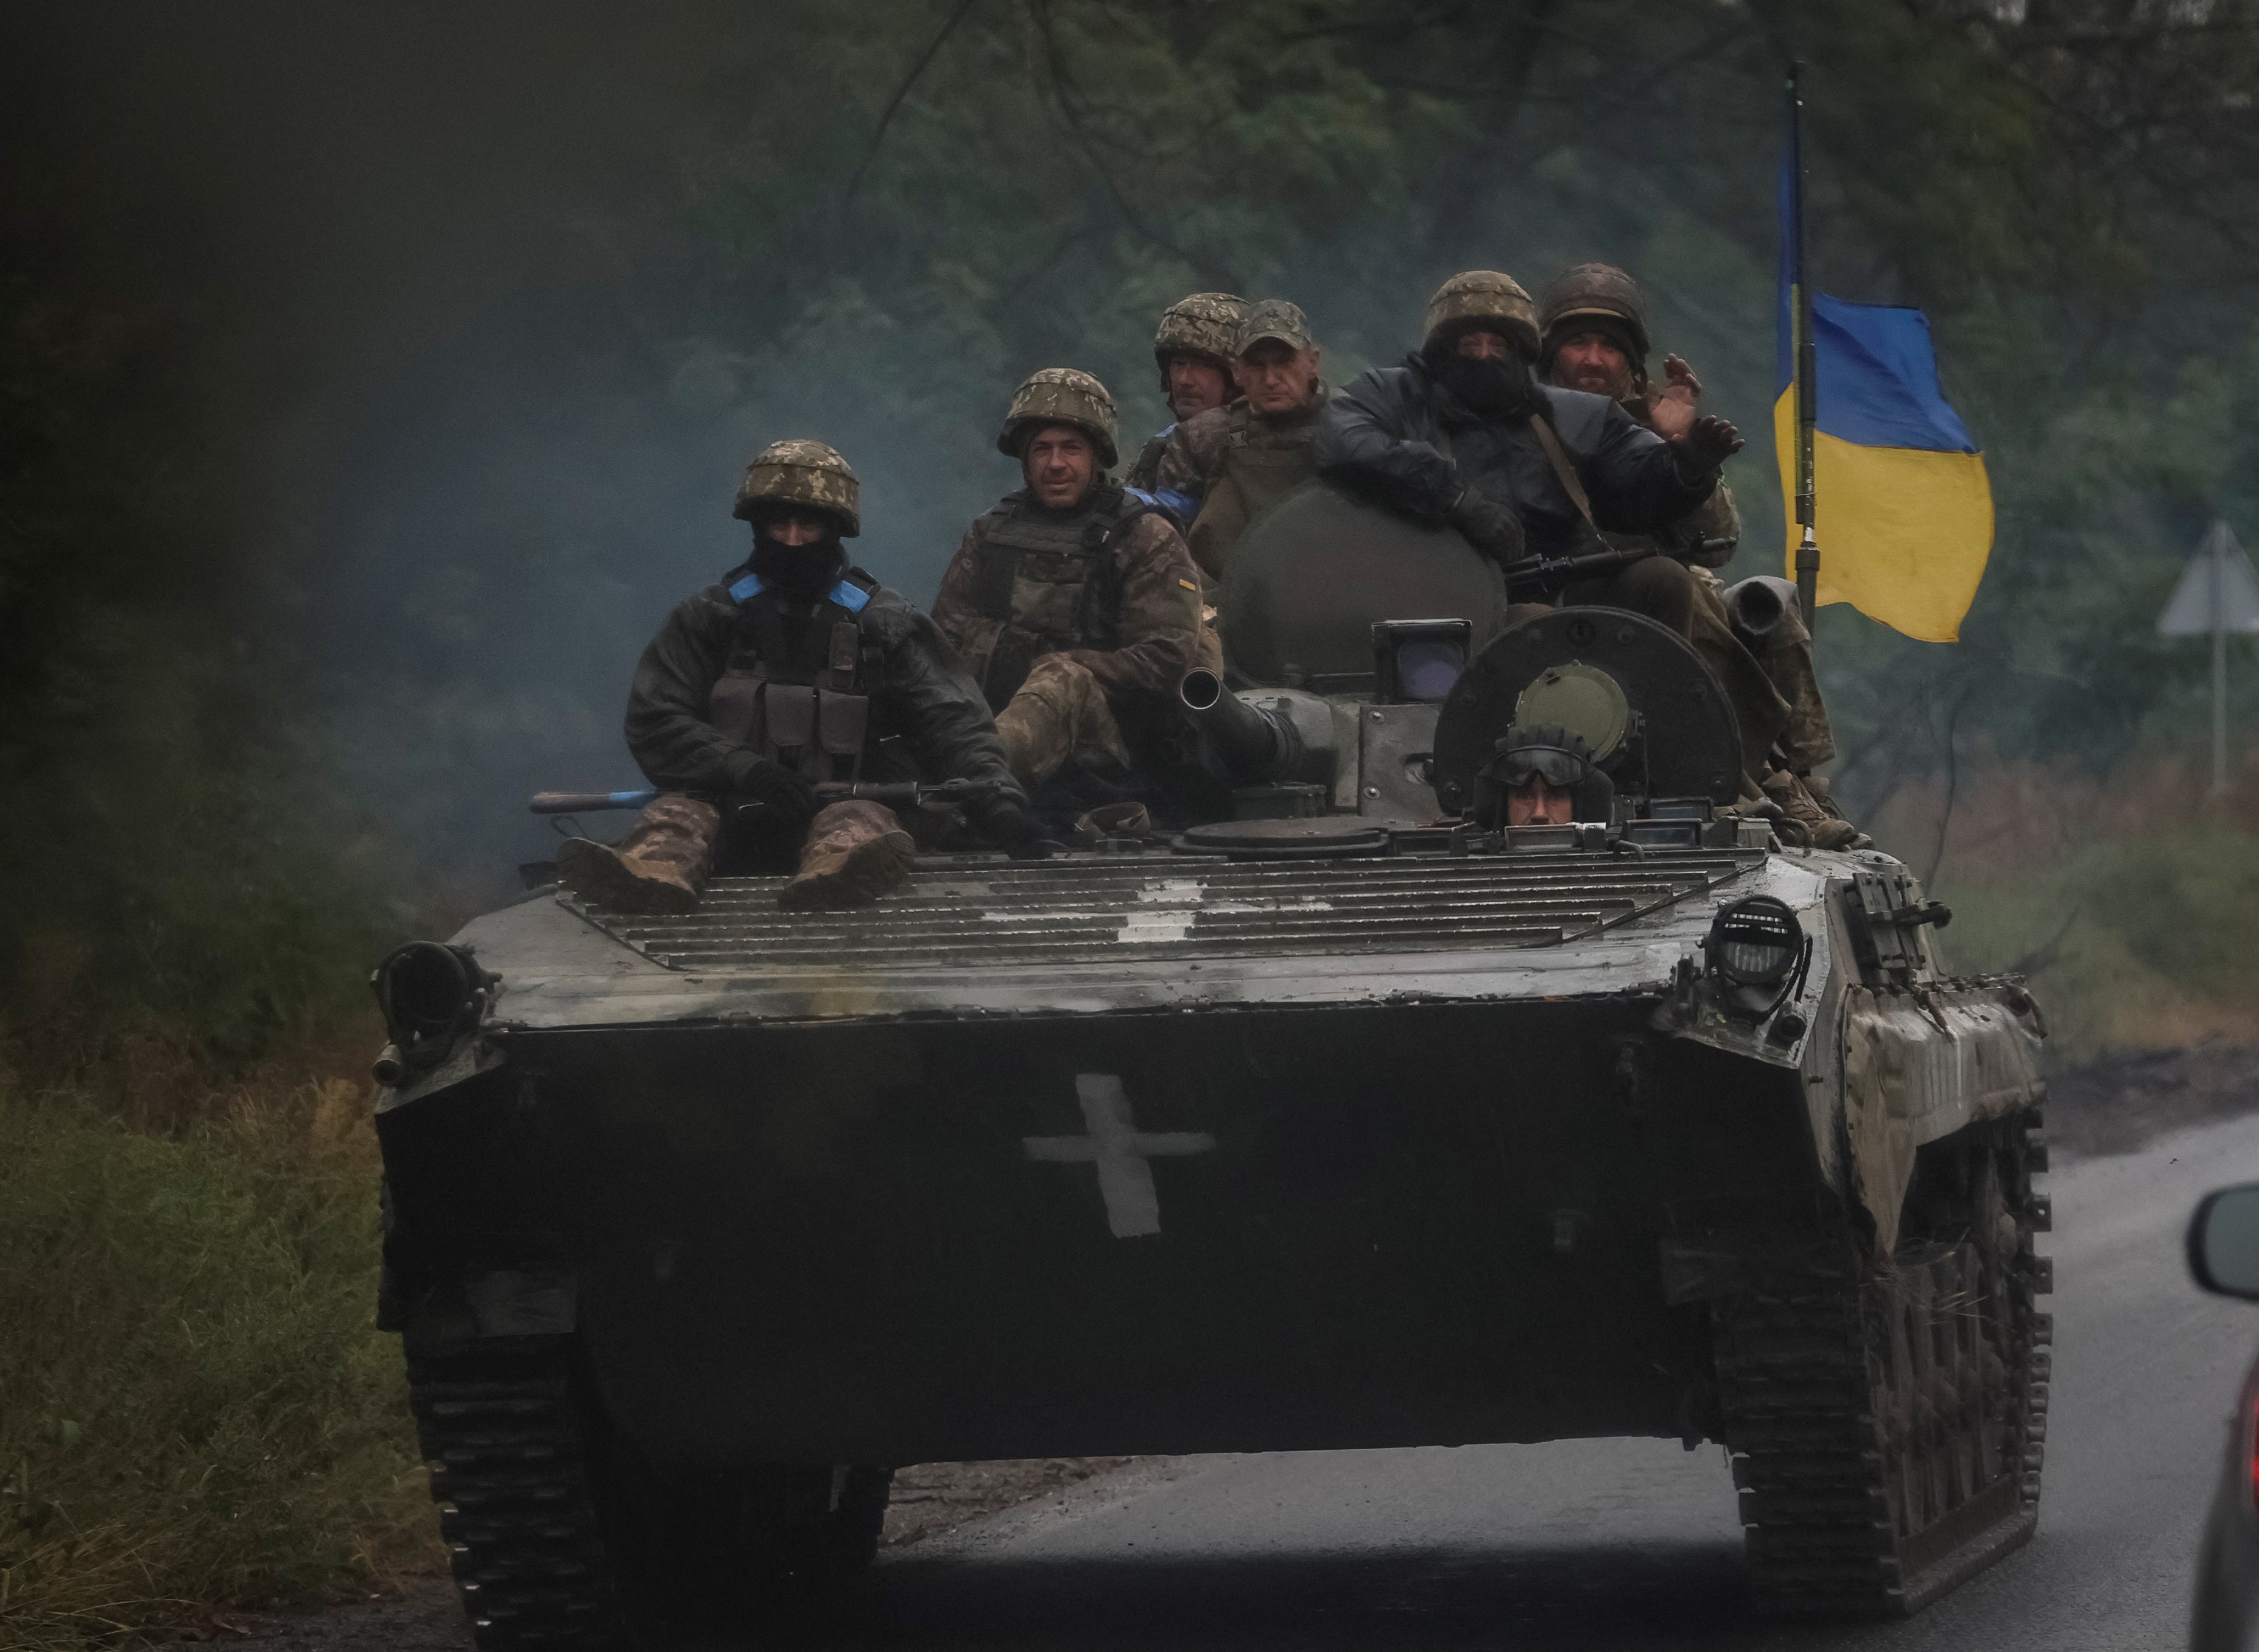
x=2223, y=1241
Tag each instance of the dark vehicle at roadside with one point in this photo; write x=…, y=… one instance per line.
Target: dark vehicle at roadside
x=2223, y=1251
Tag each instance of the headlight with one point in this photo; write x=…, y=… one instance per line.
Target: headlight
x=431, y=995
x=1755, y=942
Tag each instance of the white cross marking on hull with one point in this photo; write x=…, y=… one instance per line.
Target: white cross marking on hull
x=1121, y=1151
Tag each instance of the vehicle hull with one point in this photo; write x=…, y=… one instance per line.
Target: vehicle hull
x=1161, y=1232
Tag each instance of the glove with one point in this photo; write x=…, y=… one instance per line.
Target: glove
x=1709, y=444
x=783, y=794
x=1012, y=829
x=1490, y=527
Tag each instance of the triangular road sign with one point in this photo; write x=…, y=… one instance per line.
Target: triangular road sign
x=2220, y=575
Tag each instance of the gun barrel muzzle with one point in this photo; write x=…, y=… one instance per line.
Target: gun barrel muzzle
x=1253, y=744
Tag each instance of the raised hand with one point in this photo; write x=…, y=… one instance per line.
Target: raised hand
x=1709, y=442
x=1672, y=406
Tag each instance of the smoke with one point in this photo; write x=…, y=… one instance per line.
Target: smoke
x=474, y=314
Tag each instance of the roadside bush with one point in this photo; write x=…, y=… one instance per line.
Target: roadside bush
x=2128, y=899
x=198, y=1411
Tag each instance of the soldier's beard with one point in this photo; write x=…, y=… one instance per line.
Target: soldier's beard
x=798, y=570
x=1488, y=385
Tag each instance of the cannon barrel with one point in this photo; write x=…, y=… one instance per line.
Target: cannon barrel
x=1254, y=745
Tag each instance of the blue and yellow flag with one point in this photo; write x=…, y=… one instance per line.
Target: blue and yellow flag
x=1903, y=509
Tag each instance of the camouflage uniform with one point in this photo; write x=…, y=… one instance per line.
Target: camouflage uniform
x=748, y=693
x=1233, y=460
x=1079, y=625
x=1785, y=706
x=1199, y=325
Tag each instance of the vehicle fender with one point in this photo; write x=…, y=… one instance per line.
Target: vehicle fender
x=1921, y=1063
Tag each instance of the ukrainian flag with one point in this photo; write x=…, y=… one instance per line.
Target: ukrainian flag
x=1903, y=509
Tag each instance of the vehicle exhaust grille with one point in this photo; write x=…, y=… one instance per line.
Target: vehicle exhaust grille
x=973, y=913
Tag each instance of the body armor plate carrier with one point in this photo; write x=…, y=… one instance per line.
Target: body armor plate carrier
x=1051, y=581
x=792, y=688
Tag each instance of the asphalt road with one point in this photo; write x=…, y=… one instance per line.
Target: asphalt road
x=1609, y=1544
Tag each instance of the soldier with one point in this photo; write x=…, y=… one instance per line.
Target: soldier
x=1541, y=775
x=1074, y=602
x=1236, y=460
x=1595, y=336
x=794, y=670
x=1462, y=433
x=1594, y=330
x=1193, y=348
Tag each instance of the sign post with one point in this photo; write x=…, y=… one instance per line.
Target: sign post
x=2219, y=594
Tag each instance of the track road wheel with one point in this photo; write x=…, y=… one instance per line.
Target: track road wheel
x=1886, y=1429
x=561, y=1537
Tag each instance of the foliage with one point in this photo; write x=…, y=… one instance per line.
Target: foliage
x=200, y=1411
x=2127, y=898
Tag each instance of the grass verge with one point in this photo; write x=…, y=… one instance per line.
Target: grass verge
x=196, y=1412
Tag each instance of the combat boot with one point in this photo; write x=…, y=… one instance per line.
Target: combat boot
x=857, y=850
x=1811, y=809
x=622, y=881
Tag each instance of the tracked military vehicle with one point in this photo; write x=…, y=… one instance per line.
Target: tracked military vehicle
x=1361, y=1119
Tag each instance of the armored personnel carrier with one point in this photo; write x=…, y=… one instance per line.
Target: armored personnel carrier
x=1361, y=1119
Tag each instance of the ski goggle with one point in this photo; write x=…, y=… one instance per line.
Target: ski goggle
x=1515, y=769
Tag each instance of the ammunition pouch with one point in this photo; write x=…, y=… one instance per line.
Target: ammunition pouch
x=797, y=706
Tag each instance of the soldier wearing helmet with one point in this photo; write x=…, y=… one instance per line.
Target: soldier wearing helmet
x=1235, y=460
x=1596, y=336
x=1462, y=433
x=794, y=670
x=1074, y=602
x=1193, y=349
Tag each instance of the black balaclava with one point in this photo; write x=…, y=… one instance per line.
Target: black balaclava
x=803, y=571
x=1490, y=386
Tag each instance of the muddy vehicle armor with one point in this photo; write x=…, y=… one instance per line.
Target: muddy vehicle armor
x=1357, y=1120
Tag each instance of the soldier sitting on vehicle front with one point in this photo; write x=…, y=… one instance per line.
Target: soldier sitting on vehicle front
x=795, y=670
x=1074, y=602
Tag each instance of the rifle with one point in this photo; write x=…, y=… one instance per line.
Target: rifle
x=1540, y=577
x=891, y=793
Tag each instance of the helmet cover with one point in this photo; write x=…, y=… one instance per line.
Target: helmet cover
x=1481, y=301
x=1060, y=395
x=1200, y=325
x=802, y=472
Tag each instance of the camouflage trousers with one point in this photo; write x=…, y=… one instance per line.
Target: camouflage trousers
x=682, y=834
x=1785, y=652
x=1060, y=716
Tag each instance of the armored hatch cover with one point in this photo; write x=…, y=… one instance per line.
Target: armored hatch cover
x=971, y=935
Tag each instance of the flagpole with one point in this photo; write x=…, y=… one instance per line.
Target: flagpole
x=1807, y=549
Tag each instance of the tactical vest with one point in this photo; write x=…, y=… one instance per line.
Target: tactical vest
x=1261, y=461
x=1052, y=582
x=805, y=706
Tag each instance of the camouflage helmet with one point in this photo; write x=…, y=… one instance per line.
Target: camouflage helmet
x=1201, y=325
x=1060, y=395
x=1482, y=300
x=800, y=473
x=1594, y=292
